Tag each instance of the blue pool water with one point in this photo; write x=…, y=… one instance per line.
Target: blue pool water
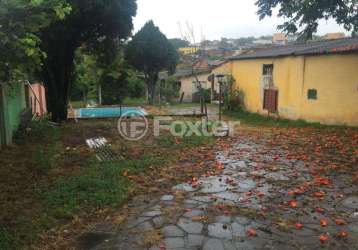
x=110, y=112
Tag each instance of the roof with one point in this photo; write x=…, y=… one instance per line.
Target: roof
x=180, y=73
x=347, y=45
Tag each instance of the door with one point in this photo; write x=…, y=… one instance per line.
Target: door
x=271, y=100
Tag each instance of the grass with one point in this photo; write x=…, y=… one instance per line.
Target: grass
x=254, y=119
x=53, y=183
x=129, y=101
x=97, y=186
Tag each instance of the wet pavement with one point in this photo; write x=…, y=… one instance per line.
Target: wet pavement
x=257, y=199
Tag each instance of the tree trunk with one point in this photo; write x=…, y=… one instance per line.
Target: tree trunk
x=57, y=75
x=151, y=82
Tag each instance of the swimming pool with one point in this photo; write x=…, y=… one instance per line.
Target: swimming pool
x=110, y=112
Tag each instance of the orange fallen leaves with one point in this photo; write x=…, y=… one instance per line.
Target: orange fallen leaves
x=251, y=232
x=293, y=203
x=323, y=238
x=219, y=166
x=340, y=222
x=319, y=210
x=323, y=222
x=343, y=234
x=125, y=173
x=319, y=194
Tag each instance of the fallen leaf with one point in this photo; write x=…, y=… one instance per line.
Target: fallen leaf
x=293, y=203
x=340, y=222
x=323, y=222
x=319, y=194
x=251, y=232
x=343, y=234
x=323, y=238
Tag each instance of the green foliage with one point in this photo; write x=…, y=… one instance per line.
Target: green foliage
x=135, y=86
x=99, y=25
x=87, y=76
x=306, y=14
x=20, y=22
x=254, y=119
x=114, y=81
x=179, y=43
x=150, y=52
x=170, y=89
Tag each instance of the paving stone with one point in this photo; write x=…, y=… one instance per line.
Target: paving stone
x=213, y=244
x=137, y=221
x=172, y=231
x=174, y=243
x=167, y=198
x=194, y=240
x=190, y=227
x=152, y=213
x=242, y=220
x=238, y=230
x=185, y=187
x=194, y=213
x=223, y=219
x=204, y=199
x=145, y=226
x=351, y=202
x=220, y=230
x=229, y=245
x=158, y=221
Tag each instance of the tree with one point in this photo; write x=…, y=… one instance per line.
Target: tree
x=179, y=43
x=306, y=14
x=150, y=52
x=86, y=76
x=20, y=21
x=94, y=23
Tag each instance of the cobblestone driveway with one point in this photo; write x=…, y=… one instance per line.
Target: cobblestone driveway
x=260, y=200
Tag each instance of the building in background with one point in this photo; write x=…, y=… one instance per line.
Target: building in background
x=331, y=36
x=314, y=81
x=279, y=38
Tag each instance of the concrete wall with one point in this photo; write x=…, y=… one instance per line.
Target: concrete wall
x=335, y=77
x=187, y=85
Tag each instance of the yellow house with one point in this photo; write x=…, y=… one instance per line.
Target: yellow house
x=188, y=80
x=188, y=50
x=316, y=81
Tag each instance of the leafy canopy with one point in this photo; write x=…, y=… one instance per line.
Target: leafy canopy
x=20, y=21
x=150, y=51
x=305, y=14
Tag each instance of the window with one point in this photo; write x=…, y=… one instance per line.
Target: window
x=312, y=94
x=268, y=70
x=267, y=76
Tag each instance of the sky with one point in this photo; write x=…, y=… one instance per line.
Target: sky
x=212, y=19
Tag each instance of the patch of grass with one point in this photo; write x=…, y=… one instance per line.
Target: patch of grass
x=99, y=185
x=265, y=121
x=7, y=240
x=184, y=142
x=134, y=101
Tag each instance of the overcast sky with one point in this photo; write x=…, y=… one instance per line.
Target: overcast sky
x=216, y=18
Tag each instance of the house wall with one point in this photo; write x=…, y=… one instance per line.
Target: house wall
x=335, y=77
x=12, y=105
x=187, y=86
